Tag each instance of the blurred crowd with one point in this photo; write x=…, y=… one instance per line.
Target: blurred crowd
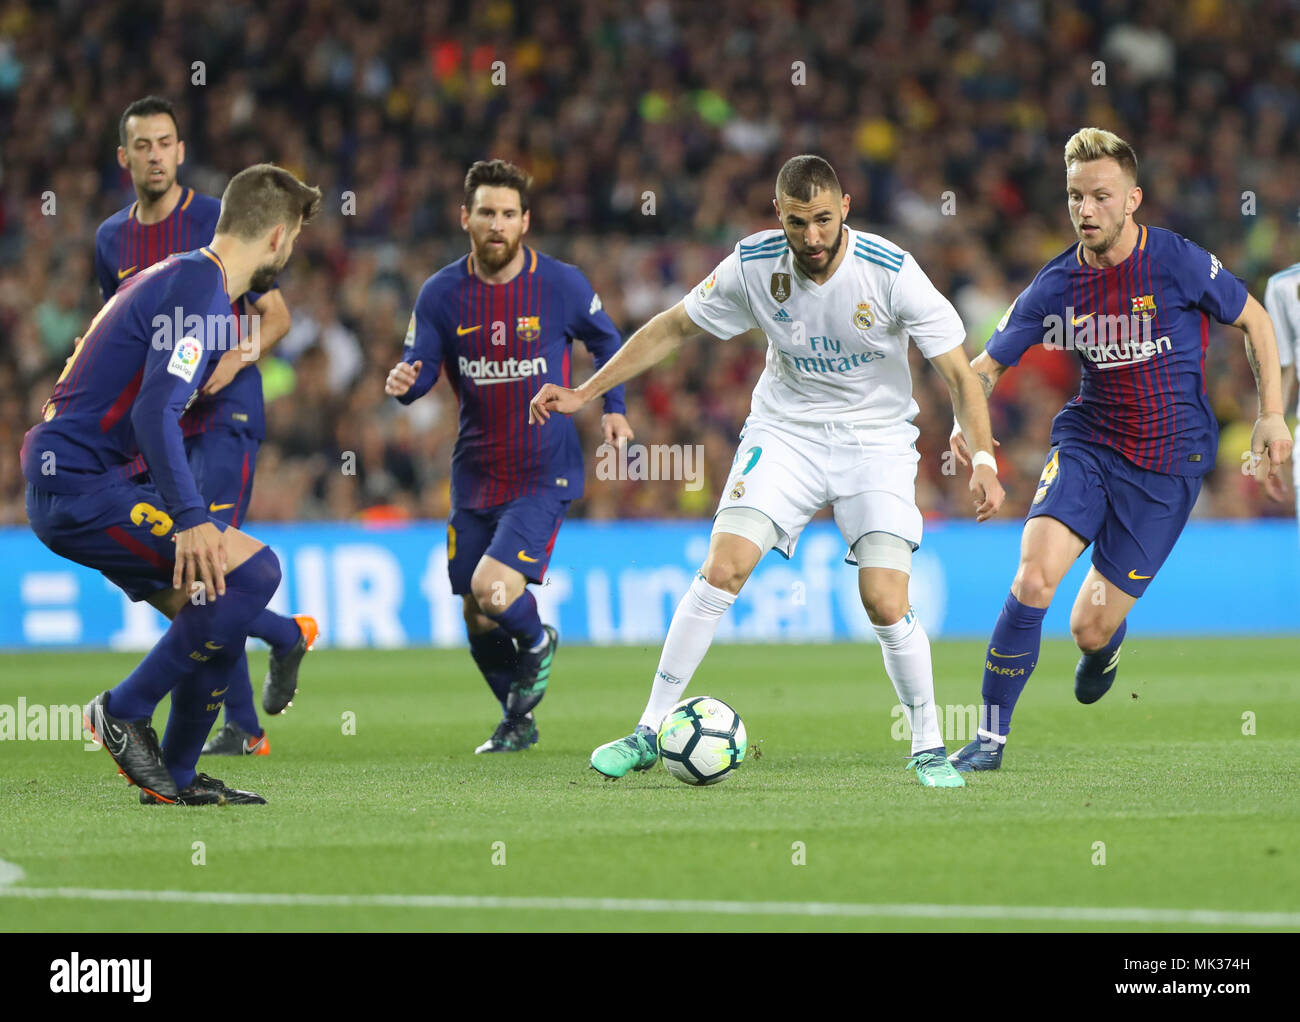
x=654, y=131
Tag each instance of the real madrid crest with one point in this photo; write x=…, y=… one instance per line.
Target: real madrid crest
x=780, y=286
x=863, y=318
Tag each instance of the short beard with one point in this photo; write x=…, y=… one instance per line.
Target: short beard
x=264, y=277
x=157, y=191
x=509, y=252
x=1098, y=248
x=831, y=252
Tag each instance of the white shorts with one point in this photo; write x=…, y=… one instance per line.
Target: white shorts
x=866, y=477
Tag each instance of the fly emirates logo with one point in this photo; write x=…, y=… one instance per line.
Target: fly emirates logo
x=483, y=370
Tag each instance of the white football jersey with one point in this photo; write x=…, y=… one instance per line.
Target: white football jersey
x=836, y=352
x=1282, y=301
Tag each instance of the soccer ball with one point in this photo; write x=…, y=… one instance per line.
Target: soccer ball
x=702, y=740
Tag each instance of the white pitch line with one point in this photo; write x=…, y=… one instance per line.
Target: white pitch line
x=1031, y=913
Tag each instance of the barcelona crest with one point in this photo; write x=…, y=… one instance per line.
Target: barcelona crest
x=528, y=328
x=1144, y=307
x=780, y=286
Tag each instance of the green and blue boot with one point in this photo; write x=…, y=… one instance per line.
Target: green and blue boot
x=532, y=675
x=934, y=771
x=638, y=751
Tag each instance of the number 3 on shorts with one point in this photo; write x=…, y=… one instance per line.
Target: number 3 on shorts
x=159, y=522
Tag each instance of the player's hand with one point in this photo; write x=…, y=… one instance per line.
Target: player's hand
x=554, y=398
x=957, y=444
x=989, y=494
x=402, y=377
x=201, y=557
x=1270, y=447
x=617, y=429
x=226, y=369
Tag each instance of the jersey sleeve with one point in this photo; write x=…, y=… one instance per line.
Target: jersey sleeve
x=590, y=323
x=171, y=376
x=1213, y=288
x=719, y=304
x=424, y=343
x=928, y=317
x=1019, y=329
x=105, y=274
x=1282, y=303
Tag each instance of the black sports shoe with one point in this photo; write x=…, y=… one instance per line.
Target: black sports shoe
x=282, y=674
x=134, y=748
x=207, y=791
x=233, y=740
x=531, y=676
x=513, y=734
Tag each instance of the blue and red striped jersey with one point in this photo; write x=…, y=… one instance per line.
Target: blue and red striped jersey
x=115, y=412
x=124, y=246
x=498, y=343
x=1140, y=330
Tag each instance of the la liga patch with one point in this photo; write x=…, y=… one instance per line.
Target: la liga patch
x=185, y=359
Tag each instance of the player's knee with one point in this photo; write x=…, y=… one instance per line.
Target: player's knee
x=1032, y=586
x=884, y=604
x=723, y=571
x=259, y=575
x=1090, y=636
x=491, y=594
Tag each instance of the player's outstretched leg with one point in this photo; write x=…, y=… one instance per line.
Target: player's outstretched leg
x=1095, y=672
x=714, y=588
x=1009, y=661
x=905, y=649
x=281, y=682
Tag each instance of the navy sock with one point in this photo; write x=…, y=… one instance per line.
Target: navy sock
x=1011, y=658
x=496, y=656
x=195, y=634
x=238, y=695
x=1092, y=666
x=194, y=711
x=277, y=631
x=521, y=622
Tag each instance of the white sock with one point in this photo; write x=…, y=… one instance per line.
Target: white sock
x=689, y=637
x=906, y=649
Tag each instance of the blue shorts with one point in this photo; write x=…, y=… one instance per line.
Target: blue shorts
x=119, y=530
x=520, y=533
x=1131, y=515
x=223, y=463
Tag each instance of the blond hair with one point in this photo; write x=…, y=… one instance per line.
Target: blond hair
x=1088, y=144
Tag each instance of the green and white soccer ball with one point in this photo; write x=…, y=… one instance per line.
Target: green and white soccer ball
x=702, y=740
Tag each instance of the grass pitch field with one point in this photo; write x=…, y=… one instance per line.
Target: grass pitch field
x=397, y=826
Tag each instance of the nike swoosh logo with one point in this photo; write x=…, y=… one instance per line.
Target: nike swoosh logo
x=524, y=557
x=1079, y=319
x=219, y=507
x=222, y=692
x=214, y=645
x=1007, y=656
x=461, y=331
x=116, y=742
x=1135, y=576
x=125, y=273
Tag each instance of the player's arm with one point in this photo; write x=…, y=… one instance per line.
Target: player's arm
x=422, y=353
x=591, y=324
x=649, y=346
x=271, y=322
x=170, y=378
x=987, y=371
x=971, y=410
x=1270, y=441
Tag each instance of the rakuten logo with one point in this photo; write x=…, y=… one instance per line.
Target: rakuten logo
x=483, y=370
